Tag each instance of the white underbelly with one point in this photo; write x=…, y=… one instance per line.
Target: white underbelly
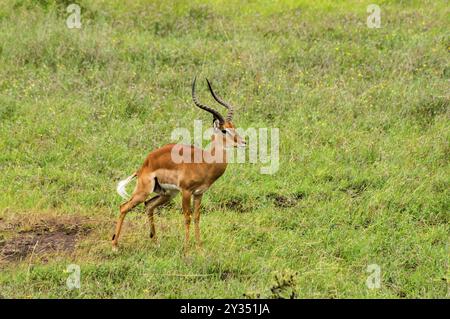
x=200, y=191
x=169, y=187
x=172, y=189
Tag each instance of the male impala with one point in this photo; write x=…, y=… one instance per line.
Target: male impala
x=163, y=174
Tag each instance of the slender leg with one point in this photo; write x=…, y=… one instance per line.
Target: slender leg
x=151, y=204
x=143, y=189
x=135, y=200
x=197, y=202
x=187, y=216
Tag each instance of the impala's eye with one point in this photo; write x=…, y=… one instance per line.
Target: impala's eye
x=224, y=131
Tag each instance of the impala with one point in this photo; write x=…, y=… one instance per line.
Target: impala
x=163, y=175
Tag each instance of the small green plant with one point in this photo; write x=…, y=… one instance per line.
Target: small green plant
x=284, y=287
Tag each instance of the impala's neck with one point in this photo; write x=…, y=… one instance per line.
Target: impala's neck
x=218, y=152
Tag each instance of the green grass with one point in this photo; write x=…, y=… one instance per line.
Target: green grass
x=364, y=144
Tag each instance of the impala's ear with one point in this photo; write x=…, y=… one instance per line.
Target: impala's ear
x=216, y=124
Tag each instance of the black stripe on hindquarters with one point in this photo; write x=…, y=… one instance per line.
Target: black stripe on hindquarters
x=157, y=188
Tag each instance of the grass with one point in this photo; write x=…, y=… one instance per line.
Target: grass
x=364, y=145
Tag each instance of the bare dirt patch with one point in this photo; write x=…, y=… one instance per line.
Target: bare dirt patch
x=238, y=204
x=40, y=237
x=285, y=201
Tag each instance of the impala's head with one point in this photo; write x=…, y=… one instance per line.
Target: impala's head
x=227, y=134
x=224, y=129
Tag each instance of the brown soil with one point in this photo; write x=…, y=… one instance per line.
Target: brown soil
x=236, y=204
x=41, y=237
x=285, y=201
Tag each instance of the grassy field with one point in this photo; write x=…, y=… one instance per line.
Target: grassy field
x=364, y=147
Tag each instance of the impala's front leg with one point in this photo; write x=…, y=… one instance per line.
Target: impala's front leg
x=197, y=202
x=187, y=216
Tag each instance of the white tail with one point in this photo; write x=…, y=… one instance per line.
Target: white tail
x=121, y=186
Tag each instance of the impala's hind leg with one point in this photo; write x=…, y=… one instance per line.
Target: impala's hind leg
x=143, y=189
x=151, y=204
